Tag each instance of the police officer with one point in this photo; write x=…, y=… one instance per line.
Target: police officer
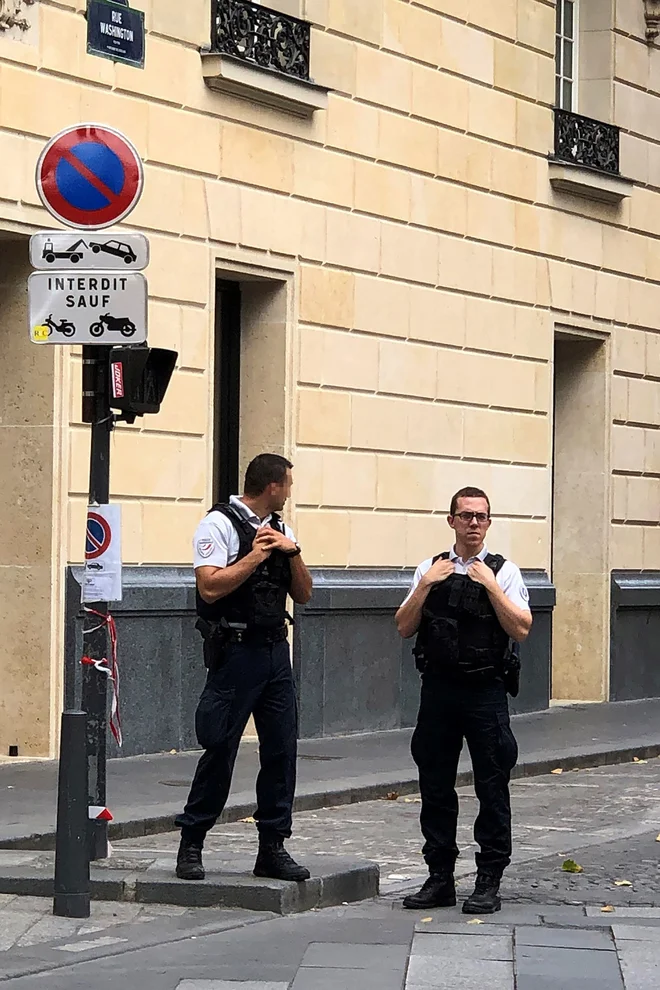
x=468, y=608
x=247, y=563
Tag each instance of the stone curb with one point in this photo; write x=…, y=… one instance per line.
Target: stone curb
x=343, y=883
x=354, y=793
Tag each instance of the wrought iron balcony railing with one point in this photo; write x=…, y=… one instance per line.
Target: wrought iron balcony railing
x=262, y=36
x=587, y=142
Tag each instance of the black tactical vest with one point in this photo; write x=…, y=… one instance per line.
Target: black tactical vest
x=460, y=633
x=260, y=602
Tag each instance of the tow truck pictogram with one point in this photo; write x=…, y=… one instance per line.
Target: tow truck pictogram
x=74, y=253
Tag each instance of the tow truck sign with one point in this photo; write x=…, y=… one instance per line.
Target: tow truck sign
x=59, y=250
x=103, y=307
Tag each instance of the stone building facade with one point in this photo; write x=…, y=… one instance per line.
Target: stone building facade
x=436, y=264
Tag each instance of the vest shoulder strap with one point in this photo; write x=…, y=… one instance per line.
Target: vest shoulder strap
x=276, y=522
x=495, y=561
x=239, y=521
x=240, y=524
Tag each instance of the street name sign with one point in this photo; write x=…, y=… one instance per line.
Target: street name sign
x=115, y=31
x=89, y=176
x=102, y=307
x=52, y=250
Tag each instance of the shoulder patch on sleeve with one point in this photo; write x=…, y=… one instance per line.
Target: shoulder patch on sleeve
x=524, y=592
x=205, y=547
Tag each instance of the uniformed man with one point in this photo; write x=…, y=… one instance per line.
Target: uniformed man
x=468, y=607
x=247, y=563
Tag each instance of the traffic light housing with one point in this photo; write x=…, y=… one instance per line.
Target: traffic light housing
x=139, y=377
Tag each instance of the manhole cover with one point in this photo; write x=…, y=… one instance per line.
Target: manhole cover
x=175, y=783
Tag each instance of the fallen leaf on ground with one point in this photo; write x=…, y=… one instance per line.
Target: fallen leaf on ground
x=172, y=752
x=392, y=796
x=658, y=839
x=413, y=800
x=570, y=866
x=425, y=921
x=622, y=883
x=247, y=821
x=475, y=921
x=636, y=759
x=558, y=770
x=608, y=909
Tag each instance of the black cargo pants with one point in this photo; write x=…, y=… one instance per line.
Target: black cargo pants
x=252, y=679
x=450, y=712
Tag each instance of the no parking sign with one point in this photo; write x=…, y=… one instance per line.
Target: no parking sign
x=102, y=581
x=90, y=176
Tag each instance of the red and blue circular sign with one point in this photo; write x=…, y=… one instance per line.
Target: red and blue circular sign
x=90, y=176
x=99, y=536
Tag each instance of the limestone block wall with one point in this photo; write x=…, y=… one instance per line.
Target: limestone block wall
x=429, y=263
x=425, y=339
x=636, y=386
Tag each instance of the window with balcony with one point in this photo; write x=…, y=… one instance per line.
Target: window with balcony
x=262, y=54
x=586, y=147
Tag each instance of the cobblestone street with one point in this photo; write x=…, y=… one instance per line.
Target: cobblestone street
x=557, y=931
x=607, y=817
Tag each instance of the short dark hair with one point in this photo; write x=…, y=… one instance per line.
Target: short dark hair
x=467, y=493
x=265, y=470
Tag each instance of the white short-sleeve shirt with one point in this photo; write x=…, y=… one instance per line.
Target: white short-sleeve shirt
x=216, y=542
x=508, y=577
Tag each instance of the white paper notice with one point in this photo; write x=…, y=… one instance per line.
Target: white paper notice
x=102, y=580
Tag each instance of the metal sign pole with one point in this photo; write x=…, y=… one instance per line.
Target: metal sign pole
x=72, y=884
x=96, y=410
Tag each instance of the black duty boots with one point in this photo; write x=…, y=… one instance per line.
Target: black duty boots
x=189, y=861
x=274, y=861
x=485, y=899
x=438, y=891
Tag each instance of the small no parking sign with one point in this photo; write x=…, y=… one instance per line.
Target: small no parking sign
x=102, y=581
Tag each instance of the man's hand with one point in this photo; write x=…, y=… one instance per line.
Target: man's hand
x=482, y=574
x=261, y=548
x=270, y=539
x=438, y=572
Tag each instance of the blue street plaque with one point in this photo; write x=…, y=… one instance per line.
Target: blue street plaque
x=115, y=31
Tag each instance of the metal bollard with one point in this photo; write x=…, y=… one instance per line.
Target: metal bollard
x=72, y=884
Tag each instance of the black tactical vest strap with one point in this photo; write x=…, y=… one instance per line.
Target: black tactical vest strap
x=493, y=560
x=243, y=526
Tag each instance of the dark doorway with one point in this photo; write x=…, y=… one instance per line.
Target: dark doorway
x=227, y=390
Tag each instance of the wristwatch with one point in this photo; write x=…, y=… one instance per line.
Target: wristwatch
x=294, y=553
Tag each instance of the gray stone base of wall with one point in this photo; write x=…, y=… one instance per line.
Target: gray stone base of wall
x=634, y=635
x=353, y=672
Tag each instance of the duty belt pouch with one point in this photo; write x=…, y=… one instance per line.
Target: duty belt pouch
x=511, y=669
x=420, y=656
x=214, y=643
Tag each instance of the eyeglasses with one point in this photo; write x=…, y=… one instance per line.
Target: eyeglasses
x=467, y=517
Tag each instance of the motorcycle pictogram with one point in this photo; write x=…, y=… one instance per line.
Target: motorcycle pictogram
x=65, y=327
x=114, y=324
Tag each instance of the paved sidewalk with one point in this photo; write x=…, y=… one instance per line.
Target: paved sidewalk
x=145, y=793
x=536, y=948
x=371, y=946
